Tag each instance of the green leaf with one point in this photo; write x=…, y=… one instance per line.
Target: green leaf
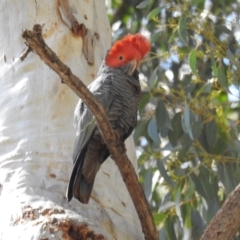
x=159, y=217
x=139, y=130
x=186, y=144
x=214, y=65
x=209, y=182
x=153, y=77
x=212, y=210
x=221, y=146
x=173, y=36
x=169, y=226
x=153, y=13
x=225, y=173
x=162, y=116
x=192, y=60
x=211, y=133
x=143, y=4
x=143, y=158
x=177, y=202
x=162, y=233
x=206, y=88
x=143, y=101
x=190, y=87
x=163, y=171
x=190, y=191
x=176, y=131
x=198, y=186
x=186, y=123
x=187, y=216
x=196, y=129
x=156, y=36
x=153, y=131
x=223, y=28
x=222, y=78
x=166, y=206
x=164, y=131
x=148, y=184
x=197, y=224
x=182, y=31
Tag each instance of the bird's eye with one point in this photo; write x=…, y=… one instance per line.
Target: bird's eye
x=121, y=58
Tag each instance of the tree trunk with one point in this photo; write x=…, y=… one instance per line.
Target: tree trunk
x=37, y=134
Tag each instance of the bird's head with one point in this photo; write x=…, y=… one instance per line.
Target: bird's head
x=128, y=51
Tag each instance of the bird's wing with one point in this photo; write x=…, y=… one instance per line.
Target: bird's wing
x=84, y=120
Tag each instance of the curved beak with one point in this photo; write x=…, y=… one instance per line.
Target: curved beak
x=133, y=65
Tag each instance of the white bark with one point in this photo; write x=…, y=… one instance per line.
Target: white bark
x=37, y=134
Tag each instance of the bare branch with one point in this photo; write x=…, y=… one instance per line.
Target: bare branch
x=36, y=43
x=226, y=223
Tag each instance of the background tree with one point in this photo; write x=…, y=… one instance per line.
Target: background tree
x=37, y=134
x=188, y=131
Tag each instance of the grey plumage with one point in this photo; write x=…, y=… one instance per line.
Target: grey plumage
x=119, y=94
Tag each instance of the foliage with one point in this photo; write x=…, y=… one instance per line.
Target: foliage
x=187, y=136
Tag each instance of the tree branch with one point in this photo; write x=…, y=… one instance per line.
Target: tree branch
x=226, y=222
x=37, y=44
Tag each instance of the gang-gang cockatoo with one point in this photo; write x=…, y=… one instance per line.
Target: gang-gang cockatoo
x=118, y=89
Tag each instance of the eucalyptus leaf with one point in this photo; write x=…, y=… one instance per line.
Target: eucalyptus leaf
x=148, y=184
x=159, y=217
x=154, y=12
x=173, y=36
x=143, y=4
x=182, y=31
x=153, y=131
x=224, y=29
x=169, y=225
x=197, y=223
x=214, y=65
x=186, y=143
x=163, y=173
x=143, y=101
x=177, y=201
x=186, y=124
x=196, y=129
x=162, y=116
x=209, y=183
x=176, y=131
x=162, y=234
x=222, y=78
x=166, y=206
x=192, y=60
x=206, y=88
x=155, y=37
x=139, y=130
x=164, y=132
x=211, y=133
x=198, y=186
x=153, y=77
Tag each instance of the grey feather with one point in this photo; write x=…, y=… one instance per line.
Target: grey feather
x=84, y=120
x=119, y=94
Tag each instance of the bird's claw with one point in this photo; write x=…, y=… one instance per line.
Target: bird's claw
x=122, y=148
x=119, y=144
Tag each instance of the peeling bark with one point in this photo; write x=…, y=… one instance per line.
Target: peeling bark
x=79, y=30
x=68, y=229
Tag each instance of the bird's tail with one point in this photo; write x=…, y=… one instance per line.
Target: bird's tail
x=78, y=186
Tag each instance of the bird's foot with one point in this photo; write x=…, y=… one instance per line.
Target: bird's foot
x=122, y=148
x=117, y=135
x=119, y=143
